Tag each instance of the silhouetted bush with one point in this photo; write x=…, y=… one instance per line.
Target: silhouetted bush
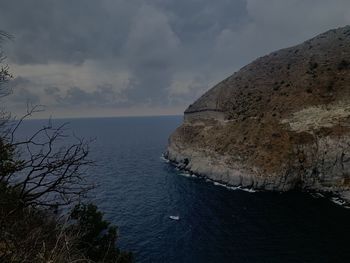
x=98, y=238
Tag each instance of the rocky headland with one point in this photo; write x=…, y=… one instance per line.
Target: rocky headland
x=280, y=123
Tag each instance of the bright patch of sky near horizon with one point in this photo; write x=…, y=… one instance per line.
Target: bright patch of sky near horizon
x=87, y=58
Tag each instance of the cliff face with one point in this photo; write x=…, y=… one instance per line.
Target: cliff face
x=280, y=123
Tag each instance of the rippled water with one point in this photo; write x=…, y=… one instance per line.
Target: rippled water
x=139, y=191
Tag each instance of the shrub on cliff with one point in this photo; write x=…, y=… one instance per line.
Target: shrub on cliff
x=30, y=234
x=98, y=238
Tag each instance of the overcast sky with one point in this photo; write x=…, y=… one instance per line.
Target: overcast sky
x=129, y=57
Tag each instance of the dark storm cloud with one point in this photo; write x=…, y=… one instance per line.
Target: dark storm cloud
x=116, y=53
x=51, y=91
x=72, y=31
x=23, y=93
x=102, y=96
x=201, y=20
x=69, y=31
x=24, y=96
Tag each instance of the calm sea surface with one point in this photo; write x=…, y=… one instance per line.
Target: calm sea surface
x=139, y=191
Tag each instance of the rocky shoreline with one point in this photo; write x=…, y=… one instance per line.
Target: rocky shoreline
x=281, y=123
x=339, y=198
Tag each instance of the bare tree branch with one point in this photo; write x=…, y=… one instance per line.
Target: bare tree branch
x=45, y=170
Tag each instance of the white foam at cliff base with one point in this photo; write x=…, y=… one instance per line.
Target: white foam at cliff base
x=187, y=174
x=338, y=201
x=317, y=195
x=219, y=184
x=249, y=190
x=164, y=159
x=235, y=188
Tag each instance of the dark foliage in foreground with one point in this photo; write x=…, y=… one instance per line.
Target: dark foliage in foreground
x=99, y=237
x=30, y=234
x=37, y=176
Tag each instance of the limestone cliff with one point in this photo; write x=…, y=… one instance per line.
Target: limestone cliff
x=280, y=123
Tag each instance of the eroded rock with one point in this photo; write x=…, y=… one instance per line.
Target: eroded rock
x=280, y=123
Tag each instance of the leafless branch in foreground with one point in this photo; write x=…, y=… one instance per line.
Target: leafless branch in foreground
x=48, y=174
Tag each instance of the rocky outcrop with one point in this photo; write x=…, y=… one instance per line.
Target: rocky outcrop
x=280, y=123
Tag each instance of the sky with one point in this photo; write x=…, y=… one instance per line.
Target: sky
x=89, y=58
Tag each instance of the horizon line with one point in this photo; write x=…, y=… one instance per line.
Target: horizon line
x=106, y=117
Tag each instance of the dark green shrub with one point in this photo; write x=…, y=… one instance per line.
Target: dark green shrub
x=98, y=238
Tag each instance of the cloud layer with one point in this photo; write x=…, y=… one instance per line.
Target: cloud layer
x=113, y=57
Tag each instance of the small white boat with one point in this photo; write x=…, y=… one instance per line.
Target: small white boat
x=174, y=217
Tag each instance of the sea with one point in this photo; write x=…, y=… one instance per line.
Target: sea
x=138, y=190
